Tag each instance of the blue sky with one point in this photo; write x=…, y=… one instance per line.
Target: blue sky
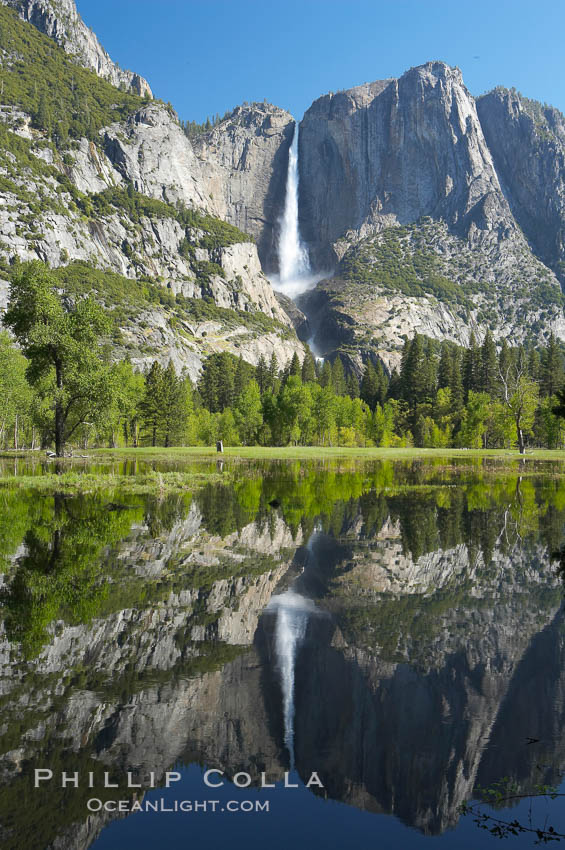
x=207, y=56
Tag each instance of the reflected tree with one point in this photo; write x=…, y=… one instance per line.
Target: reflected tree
x=62, y=573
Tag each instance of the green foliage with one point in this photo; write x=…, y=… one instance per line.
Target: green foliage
x=64, y=100
x=506, y=792
x=386, y=261
x=409, y=260
x=15, y=392
x=62, y=344
x=193, y=129
x=211, y=233
x=223, y=375
x=24, y=175
x=165, y=406
x=443, y=396
x=206, y=310
x=123, y=297
x=473, y=425
x=61, y=573
x=128, y=388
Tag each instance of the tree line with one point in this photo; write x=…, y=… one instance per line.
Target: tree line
x=60, y=386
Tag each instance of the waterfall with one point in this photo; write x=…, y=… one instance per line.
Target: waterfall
x=295, y=275
x=293, y=611
x=293, y=255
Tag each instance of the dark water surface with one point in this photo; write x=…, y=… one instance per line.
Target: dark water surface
x=391, y=633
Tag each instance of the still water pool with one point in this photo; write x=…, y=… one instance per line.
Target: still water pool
x=345, y=654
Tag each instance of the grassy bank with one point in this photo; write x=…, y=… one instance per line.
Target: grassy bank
x=189, y=468
x=70, y=482
x=322, y=452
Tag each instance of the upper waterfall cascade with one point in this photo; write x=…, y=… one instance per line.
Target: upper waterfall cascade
x=295, y=274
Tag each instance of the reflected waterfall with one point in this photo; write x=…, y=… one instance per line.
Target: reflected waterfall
x=293, y=612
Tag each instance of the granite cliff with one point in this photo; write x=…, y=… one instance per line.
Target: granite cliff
x=429, y=211
x=390, y=152
x=244, y=163
x=406, y=194
x=527, y=143
x=123, y=192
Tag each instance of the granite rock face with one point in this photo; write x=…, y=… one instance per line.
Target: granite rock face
x=463, y=199
x=244, y=162
x=527, y=142
x=424, y=279
x=434, y=217
x=151, y=151
x=60, y=20
x=392, y=151
x=392, y=677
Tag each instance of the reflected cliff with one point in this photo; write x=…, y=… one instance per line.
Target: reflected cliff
x=397, y=629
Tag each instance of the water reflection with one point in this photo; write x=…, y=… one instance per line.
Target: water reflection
x=111, y=465
x=398, y=631
x=292, y=610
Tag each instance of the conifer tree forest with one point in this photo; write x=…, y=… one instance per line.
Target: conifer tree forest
x=61, y=388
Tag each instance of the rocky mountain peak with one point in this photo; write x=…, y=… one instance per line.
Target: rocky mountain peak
x=332, y=105
x=436, y=71
x=60, y=20
x=541, y=115
x=393, y=151
x=244, y=162
x=527, y=142
x=261, y=115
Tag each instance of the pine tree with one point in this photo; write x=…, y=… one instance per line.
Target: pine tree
x=504, y=364
x=240, y=378
x=352, y=385
x=413, y=374
x=338, y=377
x=471, y=367
x=262, y=374
x=42, y=117
x=308, y=368
x=208, y=384
x=151, y=405
x=173, y=405
x=489, y=366
x=456, y=385
x=445, y=368
x=551, y=368
x=394, y=385
x=534, y=365
x=226, y=376
x=369, y=390
x=295, y=367
x=430, y=370
x=382, y=382
x=273, y=372
x=326, y=376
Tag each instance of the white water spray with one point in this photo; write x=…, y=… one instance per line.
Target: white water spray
x=293, y=255
x=293, y=612
x=295, y=274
